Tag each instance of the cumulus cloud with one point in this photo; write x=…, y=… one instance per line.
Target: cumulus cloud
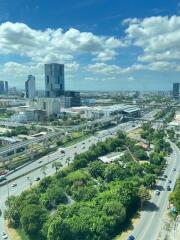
x=159, y=37
x=16, y=73
x=53, y=44
x=104, y=68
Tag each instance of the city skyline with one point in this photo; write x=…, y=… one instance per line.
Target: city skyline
x=117, y=48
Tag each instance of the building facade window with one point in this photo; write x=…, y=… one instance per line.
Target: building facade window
x=47, y=79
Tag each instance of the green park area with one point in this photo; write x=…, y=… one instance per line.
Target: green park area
x=90, y=199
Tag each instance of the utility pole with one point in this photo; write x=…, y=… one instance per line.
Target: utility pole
x=8, y=191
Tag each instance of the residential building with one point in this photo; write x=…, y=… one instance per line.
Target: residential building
x=30, y=88
x=52, y=106
x=54, y=80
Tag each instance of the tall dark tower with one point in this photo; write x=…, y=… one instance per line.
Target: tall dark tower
x=54, y=80
x=176, y=90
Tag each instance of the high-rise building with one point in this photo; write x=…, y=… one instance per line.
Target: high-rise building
x=54, y=80
x=176, y=90
x=1, y=87
x=30, y=87
x=6, y=89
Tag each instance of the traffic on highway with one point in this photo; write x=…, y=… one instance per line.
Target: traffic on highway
x=150, y=219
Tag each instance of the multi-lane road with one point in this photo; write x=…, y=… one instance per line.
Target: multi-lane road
x=29, y=175
x=152, y=216
x=150, y=220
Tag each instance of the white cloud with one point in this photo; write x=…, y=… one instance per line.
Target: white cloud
x=16, y=73
x=74, y=66
x=53, y=45
x=159, y=37
x=104, y=68
x=106, y=55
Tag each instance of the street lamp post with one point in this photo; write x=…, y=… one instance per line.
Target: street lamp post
x=8, y=191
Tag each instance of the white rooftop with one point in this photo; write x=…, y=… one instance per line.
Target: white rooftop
x=111, y=157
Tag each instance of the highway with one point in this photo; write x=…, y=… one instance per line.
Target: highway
x=23, y=182
x=12, y=147
x=152, y=216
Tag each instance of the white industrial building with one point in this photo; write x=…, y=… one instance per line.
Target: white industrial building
x=111, y=111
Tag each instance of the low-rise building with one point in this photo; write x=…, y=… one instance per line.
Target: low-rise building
x=52, y=106
x=109, y=158
x=7, y=140
x=72, y=99
x=108, y=112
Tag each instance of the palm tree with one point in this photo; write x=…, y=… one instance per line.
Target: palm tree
x=30, y=182
x=68, y=160
x=43, y=169
x=57, y=165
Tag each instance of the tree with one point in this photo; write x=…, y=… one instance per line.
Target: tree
x=43, y=170
x=144, y=194
x=68, y=160
x=149, y=180
x=32, y=219
x=115, y=209
x=96, y=169
x=57, y=165
x=58, y=229
x=54, y=196
x=115, y=171
x=175, y=196
x=12, y=212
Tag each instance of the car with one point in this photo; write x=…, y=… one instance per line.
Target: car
x=169, y=181
x=62, y=151
x=168, y=188
x=165, y=176
x=83, y=147
x=157, y=192
x=174, y=169
x=131, y=237
x=40, y=161
x=83, y=143
x=75, y=147
x=4, y=235
x=38, y=178
x=14, y=185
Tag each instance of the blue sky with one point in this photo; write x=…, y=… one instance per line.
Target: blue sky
x=104, y=44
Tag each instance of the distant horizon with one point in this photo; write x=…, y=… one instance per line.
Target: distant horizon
x=103, y=91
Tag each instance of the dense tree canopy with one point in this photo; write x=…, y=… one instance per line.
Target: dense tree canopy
x=89, y=199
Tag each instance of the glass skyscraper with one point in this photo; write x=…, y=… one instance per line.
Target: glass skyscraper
x=54, y=80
